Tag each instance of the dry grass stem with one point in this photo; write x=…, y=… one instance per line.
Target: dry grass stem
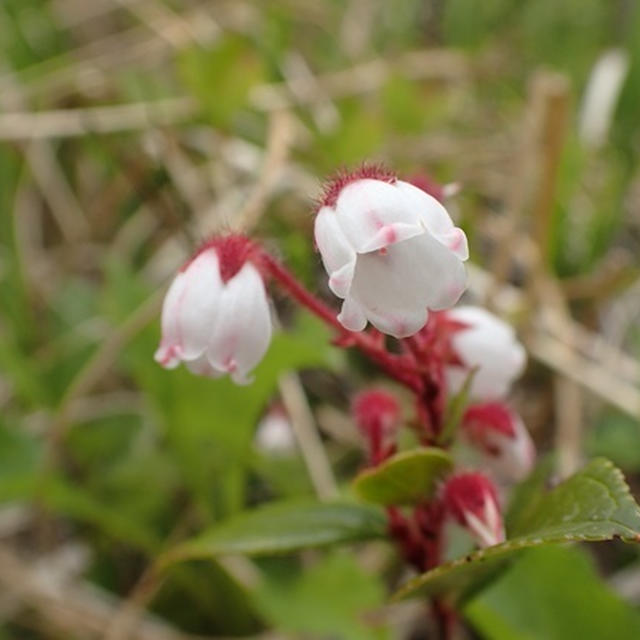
x=279, y=140
x=307, y=436
x=64, y=123
x=434, y=64
x=72, y=609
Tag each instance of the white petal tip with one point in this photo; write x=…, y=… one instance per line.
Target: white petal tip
x=341, y=279
x=338, y=286
x=168, y=356
x=242, y=378
x=456, y=242
x=352, y=322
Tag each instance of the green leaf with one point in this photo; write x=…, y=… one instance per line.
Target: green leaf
x=525, y=496
x=221, y=77
x=284, y=527
x=20, y=454
x=616, y=436
x=333, y=594
x=552, y=593
x=406, y=478
x=76, y=502
x=594, y=504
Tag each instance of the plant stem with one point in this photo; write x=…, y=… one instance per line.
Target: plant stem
x=445, y=619
x=430, y=409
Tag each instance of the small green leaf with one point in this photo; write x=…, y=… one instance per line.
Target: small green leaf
x=406, y=478
x=594, y=504
x=615, y=436
x=284, y=527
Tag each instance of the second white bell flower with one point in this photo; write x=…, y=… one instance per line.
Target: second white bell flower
x=392, y=253
x=489, y=344
x=216, y=317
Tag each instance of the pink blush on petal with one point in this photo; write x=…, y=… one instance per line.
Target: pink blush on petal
x=166, y=355
x=229, y=364
x=456, y=242
x=390, y=235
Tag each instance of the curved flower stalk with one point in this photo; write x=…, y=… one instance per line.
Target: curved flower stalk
x=216, y=316
x=480, y=340
x=391, y=251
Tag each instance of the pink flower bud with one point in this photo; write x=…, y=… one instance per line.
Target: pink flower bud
x=482, y=340
x=391, y=251
x=215, y=316
x=472, y=500
x=499, y=433
x=377, y=414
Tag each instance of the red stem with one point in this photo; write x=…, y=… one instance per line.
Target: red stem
x=400, y=368
x=445, y=618
x=430, y=408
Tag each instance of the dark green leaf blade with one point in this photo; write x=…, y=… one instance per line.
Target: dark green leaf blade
x=594, y=504
x=552, y=592
x=406, y=478
x=285, y=527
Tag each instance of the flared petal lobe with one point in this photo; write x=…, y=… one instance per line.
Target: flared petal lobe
x=242, y=330
x=435, y=218
x=394, y=288
x=189, y=310
x=338, y=256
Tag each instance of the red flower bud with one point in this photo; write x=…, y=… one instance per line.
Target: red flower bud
x=471, y=499
x=377, y=414
x=500, y=435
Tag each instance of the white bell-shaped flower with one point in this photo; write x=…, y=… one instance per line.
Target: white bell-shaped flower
x=486, y=343
x=216, y=324
x=391, y=251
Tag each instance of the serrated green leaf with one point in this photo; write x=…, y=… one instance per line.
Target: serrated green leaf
x=594, y=504
x=552, y=593
x=524, y=498
x=406, y=478
x=285, y=527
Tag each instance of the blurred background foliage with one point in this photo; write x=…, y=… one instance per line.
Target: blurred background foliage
x=106, y=459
